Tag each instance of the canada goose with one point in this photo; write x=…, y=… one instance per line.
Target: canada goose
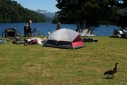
x=111, y=72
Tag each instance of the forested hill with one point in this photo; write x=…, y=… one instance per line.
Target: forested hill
x=12, y=12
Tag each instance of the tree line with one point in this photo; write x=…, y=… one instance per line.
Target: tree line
x=12, y=12
x=92, y=12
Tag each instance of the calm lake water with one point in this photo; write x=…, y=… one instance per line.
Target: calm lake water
x=102, y=30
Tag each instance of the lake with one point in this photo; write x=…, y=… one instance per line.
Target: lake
x=102, y=30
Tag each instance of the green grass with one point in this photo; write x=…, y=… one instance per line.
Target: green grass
x=37, y=65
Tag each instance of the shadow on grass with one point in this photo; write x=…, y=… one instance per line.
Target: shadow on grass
x=108, y=77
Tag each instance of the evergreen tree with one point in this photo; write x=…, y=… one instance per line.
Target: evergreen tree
x=122, y=13
x=89, y=12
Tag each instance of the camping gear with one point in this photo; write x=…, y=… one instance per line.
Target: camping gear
x=121, y=33
x=18, y=40
x=10, y=33
x=31, y=41
x=2, y=41
x=90, y=40
x=64, y=38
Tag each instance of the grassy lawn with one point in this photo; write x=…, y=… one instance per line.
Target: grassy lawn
x=37, y=65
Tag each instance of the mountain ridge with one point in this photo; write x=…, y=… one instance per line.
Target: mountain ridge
x=45, y=12
x=13, y=12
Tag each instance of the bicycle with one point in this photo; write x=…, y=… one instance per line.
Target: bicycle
x=36, y=33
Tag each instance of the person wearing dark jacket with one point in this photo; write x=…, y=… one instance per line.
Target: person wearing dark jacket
x=25, y=30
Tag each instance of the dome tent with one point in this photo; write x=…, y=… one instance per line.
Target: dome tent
x=64, y=38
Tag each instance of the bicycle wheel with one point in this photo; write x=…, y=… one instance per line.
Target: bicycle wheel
x=3, y=34
x=18, y=33
x=34, y=34
x=40, y=33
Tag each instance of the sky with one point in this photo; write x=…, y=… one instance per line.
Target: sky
x=49, y=5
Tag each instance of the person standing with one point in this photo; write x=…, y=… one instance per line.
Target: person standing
x=58, y=25
x=29, y=28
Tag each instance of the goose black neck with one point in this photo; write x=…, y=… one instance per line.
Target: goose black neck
x=116, y=65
